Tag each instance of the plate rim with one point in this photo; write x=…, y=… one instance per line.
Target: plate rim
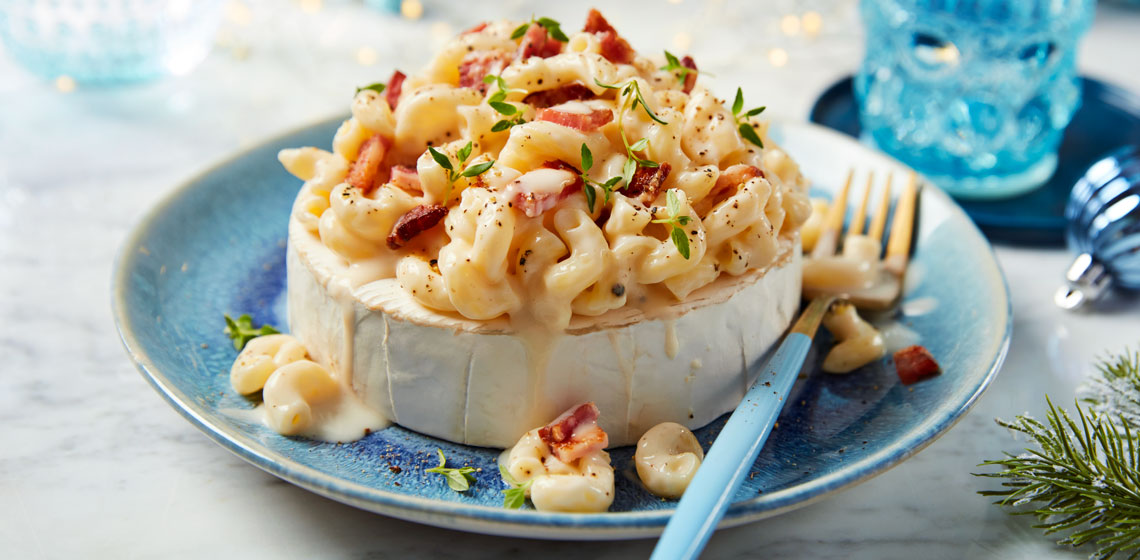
x=494, y=520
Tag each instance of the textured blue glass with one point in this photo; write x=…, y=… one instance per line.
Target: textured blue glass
x=108, y=41
x=972, y=93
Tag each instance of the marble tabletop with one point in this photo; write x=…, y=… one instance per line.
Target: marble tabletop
x=93, y=464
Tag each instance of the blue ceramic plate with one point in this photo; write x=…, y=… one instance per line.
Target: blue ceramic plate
x=1108, y=118
x=217, y=245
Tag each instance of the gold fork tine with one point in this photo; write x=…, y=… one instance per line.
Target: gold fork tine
x=861, y=213
x=829, y=238
x=879, y=220
x=902, y=228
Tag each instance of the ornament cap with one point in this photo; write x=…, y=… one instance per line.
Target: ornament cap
x=1088, y=279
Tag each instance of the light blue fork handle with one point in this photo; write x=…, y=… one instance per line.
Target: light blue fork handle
x=732, y=454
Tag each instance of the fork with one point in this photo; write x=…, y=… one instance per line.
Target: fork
x=733, y=453
x=886, y=291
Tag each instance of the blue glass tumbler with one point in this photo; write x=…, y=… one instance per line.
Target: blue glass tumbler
x=974, y=94
x=108, y=41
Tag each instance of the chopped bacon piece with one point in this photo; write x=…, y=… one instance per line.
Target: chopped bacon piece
x=475, y=65
x=735, y=176
x=407, y=178
x=575, y=91
x=534, y=193
x=365, y=171
x=559, y=164
x=596, y=23
x=647, y=182
x=914, y=363
x=613, y=47
x=575, y=433
x=537, y=42
x=581, y=121
x=691, y=77
x=475, y=29
x=395, y=86
x=414, y=222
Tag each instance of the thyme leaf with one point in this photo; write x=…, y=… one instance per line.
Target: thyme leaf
x=743, y=120
x=552, y=27
x=377, y=87
x=459, y=479
x=675, y=221
x=515, y=496
x=242, y=330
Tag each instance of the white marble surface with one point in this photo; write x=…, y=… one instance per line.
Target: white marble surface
x=93, y=464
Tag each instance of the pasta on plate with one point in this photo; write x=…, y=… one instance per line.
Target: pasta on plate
x=539, y=219
x=523, y=176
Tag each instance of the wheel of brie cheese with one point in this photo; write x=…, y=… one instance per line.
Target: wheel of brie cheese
x=538, y=220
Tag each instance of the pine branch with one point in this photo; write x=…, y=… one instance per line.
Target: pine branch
x=1082, y=477
x=1116, y=391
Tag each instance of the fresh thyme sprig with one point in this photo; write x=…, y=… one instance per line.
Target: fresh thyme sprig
x=459, y=479
x=675, y=221
x=631, y=89
x=515, y=496
x=453, y=174
x=498, y=102
x=1082, y=476
x=632, y=160
x=242, y=330
x=673, y=64
x=552, y=27
x=589, y=184
x=377, y=87
x=743, y=120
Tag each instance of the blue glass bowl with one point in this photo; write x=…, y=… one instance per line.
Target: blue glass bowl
x=108, y=41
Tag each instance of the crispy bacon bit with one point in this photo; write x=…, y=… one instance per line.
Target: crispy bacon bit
x=585, y=122
x=735, y=176
x=475, y=65
x=647, y=182
x=365, y=171
x=475, y=29
x=691, y=77
x=395, y=86
x=559, y=164
x=534, y=203
x=407, y=178
x=575, y=434
x=613, y=47
x=557, y=96
x=414, y=222
x=914, y=363
x=537, y=42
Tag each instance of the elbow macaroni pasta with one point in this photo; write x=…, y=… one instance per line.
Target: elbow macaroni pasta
x=585, y=485
x=491, y=256
x=293, y=387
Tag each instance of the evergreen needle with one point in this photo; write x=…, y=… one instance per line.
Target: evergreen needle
x=1081, y=477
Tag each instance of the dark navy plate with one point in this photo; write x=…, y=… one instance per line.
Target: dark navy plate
x=1109, y=117
x=217, y=244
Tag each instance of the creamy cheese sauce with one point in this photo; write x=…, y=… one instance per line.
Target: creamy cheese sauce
x=538, y=344
x=671, y=341
x=337, y=417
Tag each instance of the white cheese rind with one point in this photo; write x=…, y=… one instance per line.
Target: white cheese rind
x=475, y=382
